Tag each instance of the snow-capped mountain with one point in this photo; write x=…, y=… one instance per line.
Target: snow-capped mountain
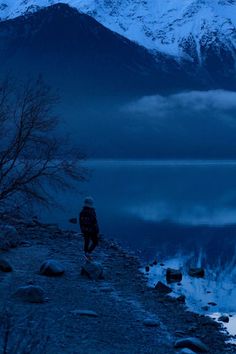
x=182, y=28
x=67, y=46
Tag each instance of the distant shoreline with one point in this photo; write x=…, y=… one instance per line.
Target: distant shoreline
x=159, y=162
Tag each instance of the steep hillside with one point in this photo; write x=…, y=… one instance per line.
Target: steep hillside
x=74, y=49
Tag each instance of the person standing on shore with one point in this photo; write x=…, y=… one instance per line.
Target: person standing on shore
x=89, y=226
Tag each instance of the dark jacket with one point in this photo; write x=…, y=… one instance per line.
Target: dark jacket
x=88, y=221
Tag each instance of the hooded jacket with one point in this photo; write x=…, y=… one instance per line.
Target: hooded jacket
x=88, y=221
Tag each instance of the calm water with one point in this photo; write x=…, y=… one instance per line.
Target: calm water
x=183, y=213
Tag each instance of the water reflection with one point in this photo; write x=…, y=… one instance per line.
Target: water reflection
x=217, y=287
x=195, y=215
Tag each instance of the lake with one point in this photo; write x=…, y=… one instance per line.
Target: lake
x=181, y=212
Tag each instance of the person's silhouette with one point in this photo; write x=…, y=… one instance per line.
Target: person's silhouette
x=89, y=226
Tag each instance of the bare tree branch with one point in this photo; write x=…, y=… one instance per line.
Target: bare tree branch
x=32, y=155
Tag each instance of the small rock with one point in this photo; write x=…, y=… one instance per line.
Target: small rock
x=186, y=351
x=36, y=221
x=191, y=343
x=31, y=293
x=147, y=268
x=192, y=329
x=52, y=227
x=52, y=268
x=93, y=270
x=162, y=288
x=114, y=246
x=180, y=333
x=73, y=221
x=30, y=224
x=181, y=299
x=162, y=264
x=196, y=272
x=25, y=244
x=212, y=303
x=5, y=266
x=155, y=262
x=224, y=319
x=149, y=322
x=9, y=237
x=205, y=308
x=106, y=289
x=87, y=313
x=173, y=275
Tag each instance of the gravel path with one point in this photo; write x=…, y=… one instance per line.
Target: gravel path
x=121, y=301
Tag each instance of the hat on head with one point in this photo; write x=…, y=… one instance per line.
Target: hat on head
x=89, y=202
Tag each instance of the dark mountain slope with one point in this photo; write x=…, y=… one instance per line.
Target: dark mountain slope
x=74, y=50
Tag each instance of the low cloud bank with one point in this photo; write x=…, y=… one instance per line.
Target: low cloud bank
x=183, y=125
x=193, y=101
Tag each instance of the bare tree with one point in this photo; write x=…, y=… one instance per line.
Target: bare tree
x=33, y=156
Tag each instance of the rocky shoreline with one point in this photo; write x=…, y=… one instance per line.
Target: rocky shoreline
x=114, y=312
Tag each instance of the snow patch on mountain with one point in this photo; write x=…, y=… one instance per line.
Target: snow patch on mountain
x=179, y=28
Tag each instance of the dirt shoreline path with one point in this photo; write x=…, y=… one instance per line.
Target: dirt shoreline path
x=122, y=302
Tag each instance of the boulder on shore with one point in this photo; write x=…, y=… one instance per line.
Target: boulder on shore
x=5, y=266
x=196, y=272
x=9, y=237
x=173, y=275
x=31, y=293
x=187, y=351
x=224, y=318
x=149, y=322
x=181, y=299
x=52, y=268
x=93, y=270
x=191, y=343
x=85, y=313
x=162, y=288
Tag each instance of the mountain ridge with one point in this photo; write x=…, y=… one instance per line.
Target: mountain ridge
x=87, y=50
x=184, y=30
